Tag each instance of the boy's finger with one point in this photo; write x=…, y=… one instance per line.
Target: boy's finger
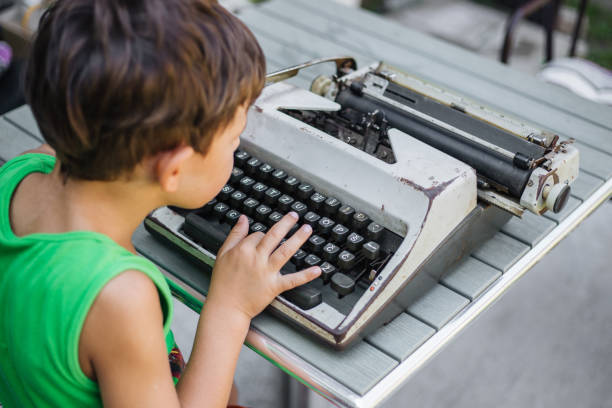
x=289, y=247
x=277, y=233
x=254, y=238
x=293, y=280
x=237, y=234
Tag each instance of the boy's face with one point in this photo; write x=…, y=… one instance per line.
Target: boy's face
x=205, y=175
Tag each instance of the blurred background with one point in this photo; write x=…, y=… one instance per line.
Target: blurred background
x=548, y=341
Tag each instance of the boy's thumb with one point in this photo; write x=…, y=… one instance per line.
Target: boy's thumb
x=237, y=234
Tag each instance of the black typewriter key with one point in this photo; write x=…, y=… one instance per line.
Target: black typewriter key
x=315, y=243
x=237, y=198
x=346, y=260
x=290, y=184
x=304, y=191
x=209, y=206
x=274, y=217
x=331, y=205
x=324, y=226
x=327, y=270
x=354, y=241
x=264, y=171
x=225, y=192
x=330, y=252
x=249, y=205
x=298, y=258
x=237, y=174
x=345, y=213
x=262, y=212
x=311, y=218
x=299, y=207
x=304, y=296
x=231, y=217
x=258, y=190
x=240, y=157
x=316, y=200
x=250, y=220
x=360, y=220
x=206, y=233
x=271, y=196
x=342, y=284
x=251, y=165
x=339, y=233
x=246, y=183
x=258, y=227
x=374, y=231
x=277, y=177
x=311, y=260
x=219, y=210
x=284, y=202
x=371, y=250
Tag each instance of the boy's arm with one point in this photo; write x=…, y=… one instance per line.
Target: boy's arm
x=122, y=342
x=245, y=280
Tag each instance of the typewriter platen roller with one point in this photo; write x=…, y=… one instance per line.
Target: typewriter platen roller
x=438, y=172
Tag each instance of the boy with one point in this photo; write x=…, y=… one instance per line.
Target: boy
x=142, y=103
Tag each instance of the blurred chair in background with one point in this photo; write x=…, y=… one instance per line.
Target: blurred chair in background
x=543, y=12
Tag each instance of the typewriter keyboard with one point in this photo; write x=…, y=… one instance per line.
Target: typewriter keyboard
x=350, y=248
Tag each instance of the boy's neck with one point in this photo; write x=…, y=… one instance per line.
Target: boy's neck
x=113, y=208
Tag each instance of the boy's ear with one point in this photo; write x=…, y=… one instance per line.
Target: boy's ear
x=169, y=166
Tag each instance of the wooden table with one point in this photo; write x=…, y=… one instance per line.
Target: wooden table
x=293, y=31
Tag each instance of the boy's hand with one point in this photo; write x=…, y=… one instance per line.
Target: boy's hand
x=247, y=277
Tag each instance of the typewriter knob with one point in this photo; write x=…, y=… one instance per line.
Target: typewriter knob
x=556, y=196
x=324, y=86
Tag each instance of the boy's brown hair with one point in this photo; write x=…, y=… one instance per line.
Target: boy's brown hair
x=111, y=82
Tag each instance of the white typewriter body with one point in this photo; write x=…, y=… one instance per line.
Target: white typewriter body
x=422, y=197
x=425, y=196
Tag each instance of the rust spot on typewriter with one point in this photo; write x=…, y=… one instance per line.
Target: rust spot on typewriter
x=431, y=192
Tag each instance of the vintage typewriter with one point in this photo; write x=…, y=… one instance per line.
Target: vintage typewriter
x=399, y=177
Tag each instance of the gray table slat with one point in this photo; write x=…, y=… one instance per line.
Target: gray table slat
x=286, y=33
x=572, y=204
x=501, y=251
x=459, y=59
x=359, y=367
x=594, y=161
x=530, y=229
x=14, y=141
x=585, y=185
x=470, y=277
x=23, y=118
x=437, y=306
x=316, y=28
x=401, y=337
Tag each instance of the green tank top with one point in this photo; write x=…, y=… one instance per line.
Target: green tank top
x=48, y=282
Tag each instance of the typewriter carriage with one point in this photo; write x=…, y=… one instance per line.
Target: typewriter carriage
x=535, y=179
